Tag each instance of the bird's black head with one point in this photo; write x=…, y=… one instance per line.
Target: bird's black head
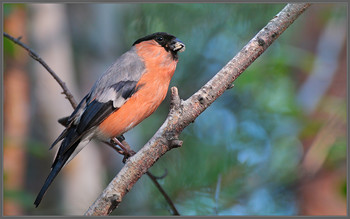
x=167, y=41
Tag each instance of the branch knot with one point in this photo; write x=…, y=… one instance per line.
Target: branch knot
x=175, y=101
x=114, y=202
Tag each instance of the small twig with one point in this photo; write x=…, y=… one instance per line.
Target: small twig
x=36, y=57
x=160, y=188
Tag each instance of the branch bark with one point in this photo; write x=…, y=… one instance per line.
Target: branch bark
x=182, y=113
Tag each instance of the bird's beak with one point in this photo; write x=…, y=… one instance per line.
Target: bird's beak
x=177, y=45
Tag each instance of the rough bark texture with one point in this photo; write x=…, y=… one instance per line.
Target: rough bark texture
x=182, y=113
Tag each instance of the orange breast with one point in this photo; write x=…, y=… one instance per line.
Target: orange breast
x=155, y=82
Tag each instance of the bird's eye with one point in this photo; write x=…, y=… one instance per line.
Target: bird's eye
x=160, y=39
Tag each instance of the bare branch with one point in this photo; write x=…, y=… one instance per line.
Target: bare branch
x=160, y=188
x=182, y=113
x=36, y=57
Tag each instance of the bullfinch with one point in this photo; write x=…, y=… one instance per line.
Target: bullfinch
x=129, y=91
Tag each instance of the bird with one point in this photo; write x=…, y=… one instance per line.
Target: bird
x=129, y=91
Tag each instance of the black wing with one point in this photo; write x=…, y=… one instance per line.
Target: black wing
x=96, y=111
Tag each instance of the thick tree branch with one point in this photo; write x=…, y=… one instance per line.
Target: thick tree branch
x=128, y=152
x=182, y=113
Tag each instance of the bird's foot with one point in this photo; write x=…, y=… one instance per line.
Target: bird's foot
x=127, y=151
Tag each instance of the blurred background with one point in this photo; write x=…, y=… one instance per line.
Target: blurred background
x=275, y=144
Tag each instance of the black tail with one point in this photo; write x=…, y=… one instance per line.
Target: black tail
x=55, y=170
x=60, y=160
